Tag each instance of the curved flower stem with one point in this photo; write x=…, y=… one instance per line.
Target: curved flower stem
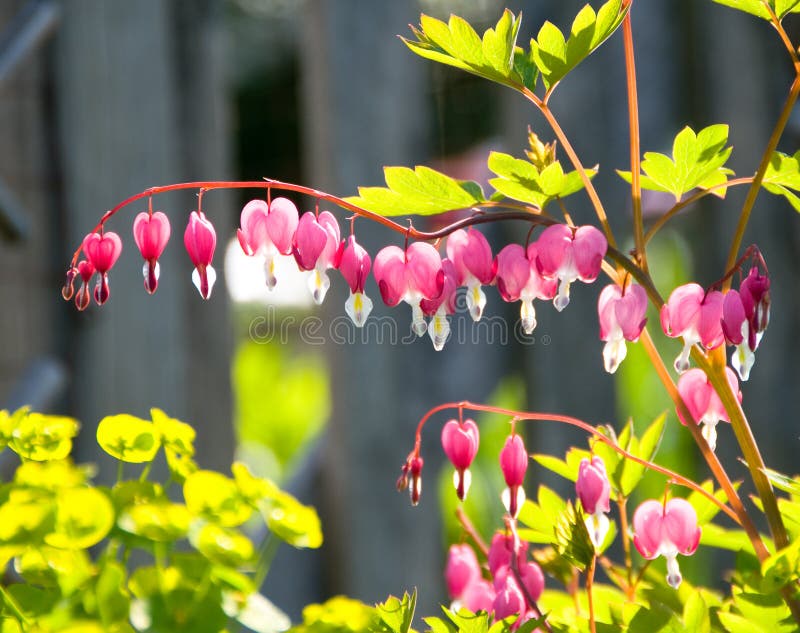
x=626, y=542
x=633, y=123
x=661, y=221
x=573, y=157
x=711, y=458
x=533, y=416
x=755, y=186
x=589, y=596
x=782, y=33
x=467, y=526
x=12, y=605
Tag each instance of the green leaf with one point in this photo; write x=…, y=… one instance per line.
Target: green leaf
x=128, y=438
x=781, y=568
x=295, y=523
x=215, y=496
x=697, y=161
x=695, y=614
x=782, y=177
x=768, y=610
x=572, y=538
x=735, y=623
x=339, y=614
x=646, y=449
x=418, y=191
x=556, y=55
x=757, y=8
x=113, y=600
x=42, y=437
x=705, y=508
x=395, y=614
x=224, y=546
x=160, y=521
x=566, y=468
x=456, y=43
x=84, y=516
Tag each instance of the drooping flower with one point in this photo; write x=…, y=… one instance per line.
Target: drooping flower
x=354, y=264
x=569, y=254
x=666, y=530
x=745, y=316
x=102, y=251
x=472, y=257
x=501, y=550
x=409, y=275
x=151, y=233
x=83, y=297
x=479, y=596
x=703, y=402
x=460, y=442
x=315, y=248
x=518, y=278
x=267, y=230
x=622, y=318
x=461, y=571
x=415, y=486
x=200, y=240
x=593, y=489
x=695, y=315
x=514, y=464
x=439, y=308
x=508, y=599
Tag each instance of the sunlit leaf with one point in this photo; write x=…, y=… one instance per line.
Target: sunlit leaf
x=397, y=614
x=291, y=521
x=43, y=437
x=225, y=546
x=159, y=521
x=128, y=438
x=217, y=497
x=83, y=518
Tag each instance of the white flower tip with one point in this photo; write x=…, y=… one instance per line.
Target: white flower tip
x=439, y=330
x=614, y=353
x=476, y=302
x=597, y=524
x=527, y=316
x=674, y=577
x=358, y=307
x=269, y=272
x=506, y=498
x=211, y=277
x=709, y=432
x=561, y=300
x=318, y=283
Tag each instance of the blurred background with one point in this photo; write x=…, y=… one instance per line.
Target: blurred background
x=100, y=99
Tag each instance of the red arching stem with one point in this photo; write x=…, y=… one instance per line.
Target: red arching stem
x=533, y=416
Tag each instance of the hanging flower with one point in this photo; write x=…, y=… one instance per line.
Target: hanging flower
x=439, y=308
x=695, y=315
x=151, y=233
x=703, y=402
x=594, y=489
x=622, y=318
x=102, y=251
x=518, y=278
x=200, y=240
x=460, y=441
x=354, y=264
x=472, y=257
x=514, y=463
x=267, y=230
x=315, y=248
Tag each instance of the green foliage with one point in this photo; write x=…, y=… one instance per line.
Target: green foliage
x=396, y=614
x=420, y=191
x=337, y=615
x=782, y=177
x=203, y=564
x=697, y=161
x=757, y=7
x=555, y=55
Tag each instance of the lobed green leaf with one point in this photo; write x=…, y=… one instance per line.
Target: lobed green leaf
x=756, y=7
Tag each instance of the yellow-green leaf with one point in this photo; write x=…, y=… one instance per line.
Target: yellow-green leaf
x=83, y=518
x=43, y=437
x=216, y=497
x=128, y=438
x=224, y=546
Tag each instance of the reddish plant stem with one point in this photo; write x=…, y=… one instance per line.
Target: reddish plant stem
x=470, y=530
x=633, y=124
x=622, y=503
x=755, y=186
x=589, y=595
x=533, y=416
x=679, y=206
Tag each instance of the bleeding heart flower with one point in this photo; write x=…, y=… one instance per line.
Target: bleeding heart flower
x=514, y=464
x=508, y=600
x=501, y=550
x=354, y=264
x=569, y=254
x=439, y=308
x=267, y=231
x=409, y=275
x=316, y=248
x=151, y=234
x=519, y=278
x=102, y=252
x=479, y=596
x=200, y=240
x=593, y=489
x=745, y=316
x=461, y=571
x=695, y=315
x=460, y=443
x=666, y=530
x=703, y=402
x=622, y=318
x=472, y=257
x=83, y=298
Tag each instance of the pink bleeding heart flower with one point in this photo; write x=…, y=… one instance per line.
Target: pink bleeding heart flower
x=703, y=402
x=472, y=257
x=409, y=275
x=530, y=573
x=514, y=464
x=755, y=297
x=439, y=308
x=569, y=254
x=102, y=252
x=509, y=600
x=518, y=278
x=316, y=248
x=594, y=489
x=622, y=318
x=354, y=264
x=745, y=316
x=695, y=315
x=83, y=298
x=461, y=571
x=460, y=442
x=479, y=596
x=267, y=230
x=666, y=530
x=151, y=234
x=501, y=550
x=200, y=240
